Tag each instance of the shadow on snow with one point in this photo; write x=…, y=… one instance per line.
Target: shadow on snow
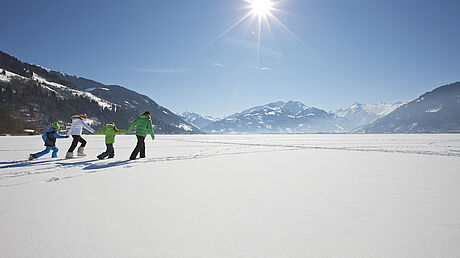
x=102, y=165
x=26, y=163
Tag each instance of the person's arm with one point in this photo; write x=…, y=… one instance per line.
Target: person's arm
x=150, y=128
x=132, y=125
x=59, y=136
x=44, y=137
x=100, y=132
x=121, y=131
x=87, y=127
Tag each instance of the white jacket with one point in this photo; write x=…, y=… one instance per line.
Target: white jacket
x=77, y=126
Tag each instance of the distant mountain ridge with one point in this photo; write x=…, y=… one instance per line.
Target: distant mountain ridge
x=359, y=114
x=197, y=120
x=32, y=96
x=437, y=111
x=40, y=96
x=276, y=117
x=128, y=98
x=295, y=117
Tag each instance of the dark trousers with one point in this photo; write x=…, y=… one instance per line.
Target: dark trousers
x=76, y=139
x=140, y=148
x=109, y=152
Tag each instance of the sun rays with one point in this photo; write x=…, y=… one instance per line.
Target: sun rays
x=263, y=14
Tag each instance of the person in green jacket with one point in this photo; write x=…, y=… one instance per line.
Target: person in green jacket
x=110, y=131
x=143, y=124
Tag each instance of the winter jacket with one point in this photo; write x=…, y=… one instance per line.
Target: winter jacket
x=77, y=126
x=110, y=133
x=143, y=125
x=50, y=137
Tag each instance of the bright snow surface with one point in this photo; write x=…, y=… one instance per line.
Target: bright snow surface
x=234, y=196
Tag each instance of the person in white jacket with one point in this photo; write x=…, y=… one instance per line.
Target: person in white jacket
x=78, y=123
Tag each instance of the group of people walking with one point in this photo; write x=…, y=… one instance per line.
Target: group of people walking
x=142, y=124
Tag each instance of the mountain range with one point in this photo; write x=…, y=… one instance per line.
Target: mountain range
x=437, y=111
x=295, y=117
x=197, y=120
x=33, y=97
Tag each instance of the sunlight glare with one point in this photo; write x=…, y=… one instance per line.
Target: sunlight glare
x=261, y=7
x=260, y=12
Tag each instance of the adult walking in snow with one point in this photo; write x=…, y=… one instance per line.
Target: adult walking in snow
x=50, y=142
x=143, y=125
x=78, y=123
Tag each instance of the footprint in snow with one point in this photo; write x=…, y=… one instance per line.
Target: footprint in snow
x=53, y=179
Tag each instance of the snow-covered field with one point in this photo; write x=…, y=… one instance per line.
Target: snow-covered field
x=235, y=196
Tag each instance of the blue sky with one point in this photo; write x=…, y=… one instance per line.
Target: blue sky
x=356, y=50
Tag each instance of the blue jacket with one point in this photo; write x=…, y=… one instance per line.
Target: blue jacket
x=50, y=137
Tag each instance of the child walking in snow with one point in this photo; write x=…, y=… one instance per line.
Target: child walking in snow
x=78, y=123
x=50, y=142
x=110, y=131
x=143, y=125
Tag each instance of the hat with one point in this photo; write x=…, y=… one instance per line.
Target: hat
x=55, y=125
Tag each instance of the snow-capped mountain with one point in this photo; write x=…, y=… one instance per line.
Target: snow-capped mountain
x=197, y=120
x=277, y=117
x=437, y=111
x=35, y=96
x=130, y=99
x=359, y=114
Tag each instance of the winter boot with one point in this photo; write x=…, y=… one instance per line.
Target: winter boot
x=69, y=155
x=111, y=154
x=32, y=156
x=81, y=151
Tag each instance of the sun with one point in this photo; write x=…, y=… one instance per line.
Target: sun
x=259, y=12
x=261, y=8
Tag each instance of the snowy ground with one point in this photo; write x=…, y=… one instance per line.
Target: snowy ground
x=235, y=196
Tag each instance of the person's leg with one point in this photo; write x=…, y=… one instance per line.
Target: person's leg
x=105, y=153
x=136, y=149
x=41, y=153
x=110, y=150
x=142, y=150
x=81, y=149
x=83, y=142
x=75, y=140
x=55, y=152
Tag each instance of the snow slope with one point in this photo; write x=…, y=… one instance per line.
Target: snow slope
x=437, y=111
x=9, y=75
x=52, y=86
x=102, y=103
x=235, y=196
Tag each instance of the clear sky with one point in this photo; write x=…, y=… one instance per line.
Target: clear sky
x=346, y=50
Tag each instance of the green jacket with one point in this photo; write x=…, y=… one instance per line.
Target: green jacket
x=110, y=133
x=143, y=125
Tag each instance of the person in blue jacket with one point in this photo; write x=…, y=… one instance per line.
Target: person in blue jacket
x=50, y=142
